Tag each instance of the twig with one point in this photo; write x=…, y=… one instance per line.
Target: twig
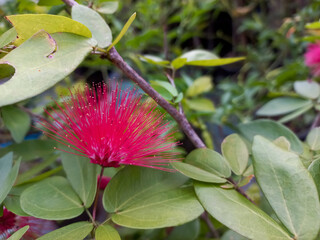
x=117, y=60
x=240, y=190
x=95, y=204
x=214, y=232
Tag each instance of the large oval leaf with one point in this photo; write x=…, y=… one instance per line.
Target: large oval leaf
x=75, y=231
x=27, y=25
x=307, y=88
x=147, y=198
x=41, y=62
x=282, y=105
x=90, y=18
x=12, y=201
x=288, y=187
x=236, y=153
x=52, y=199
x=270, y=130
x=82, y=176
x=198, y=173
x=209, y=160
x=238, y=213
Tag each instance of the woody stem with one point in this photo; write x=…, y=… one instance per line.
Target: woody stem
x=114, y=57
x=94, y=211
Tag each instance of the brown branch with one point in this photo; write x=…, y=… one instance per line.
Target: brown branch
x=117, y=60
x=204, y=216
x=240, y=190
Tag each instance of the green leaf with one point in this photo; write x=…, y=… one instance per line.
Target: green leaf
x=201, y=57
x=162, y=91
x=27, y=25
x=18, y=234
x=179, y=98
x=41, y=62
x=99, y=28
x=30, y=149
x=288, y=187
x=281, y=106
x=296, y=113
x=188, y=231
x=17, y=121
x=108, y=7
x=236, y=212
x=123, y=31
x=49, y=2
x=236, y=153
x=154, y=60
x=12, y=201
x=74, y=231
x=209, y=160
x=314, y=170
x=200, y=85
x=5, y=166
x=8, y=37
x=283, y=143
x=270, y=130
x=166, y=86
x=106, y=232
x=200, y=104
x=53, y=199
x=148, y=198
x=198, y=55
x=204, y=165
x=308, y=89
x=8, y=182
x=314, y=25
x=178, y=63
x=198, y=173
x=82, y=176
x=215, y=62
x=313, y=139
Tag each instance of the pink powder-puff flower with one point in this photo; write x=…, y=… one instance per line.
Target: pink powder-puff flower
x=10, y=223
x=312, y=58
x=113, y=127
